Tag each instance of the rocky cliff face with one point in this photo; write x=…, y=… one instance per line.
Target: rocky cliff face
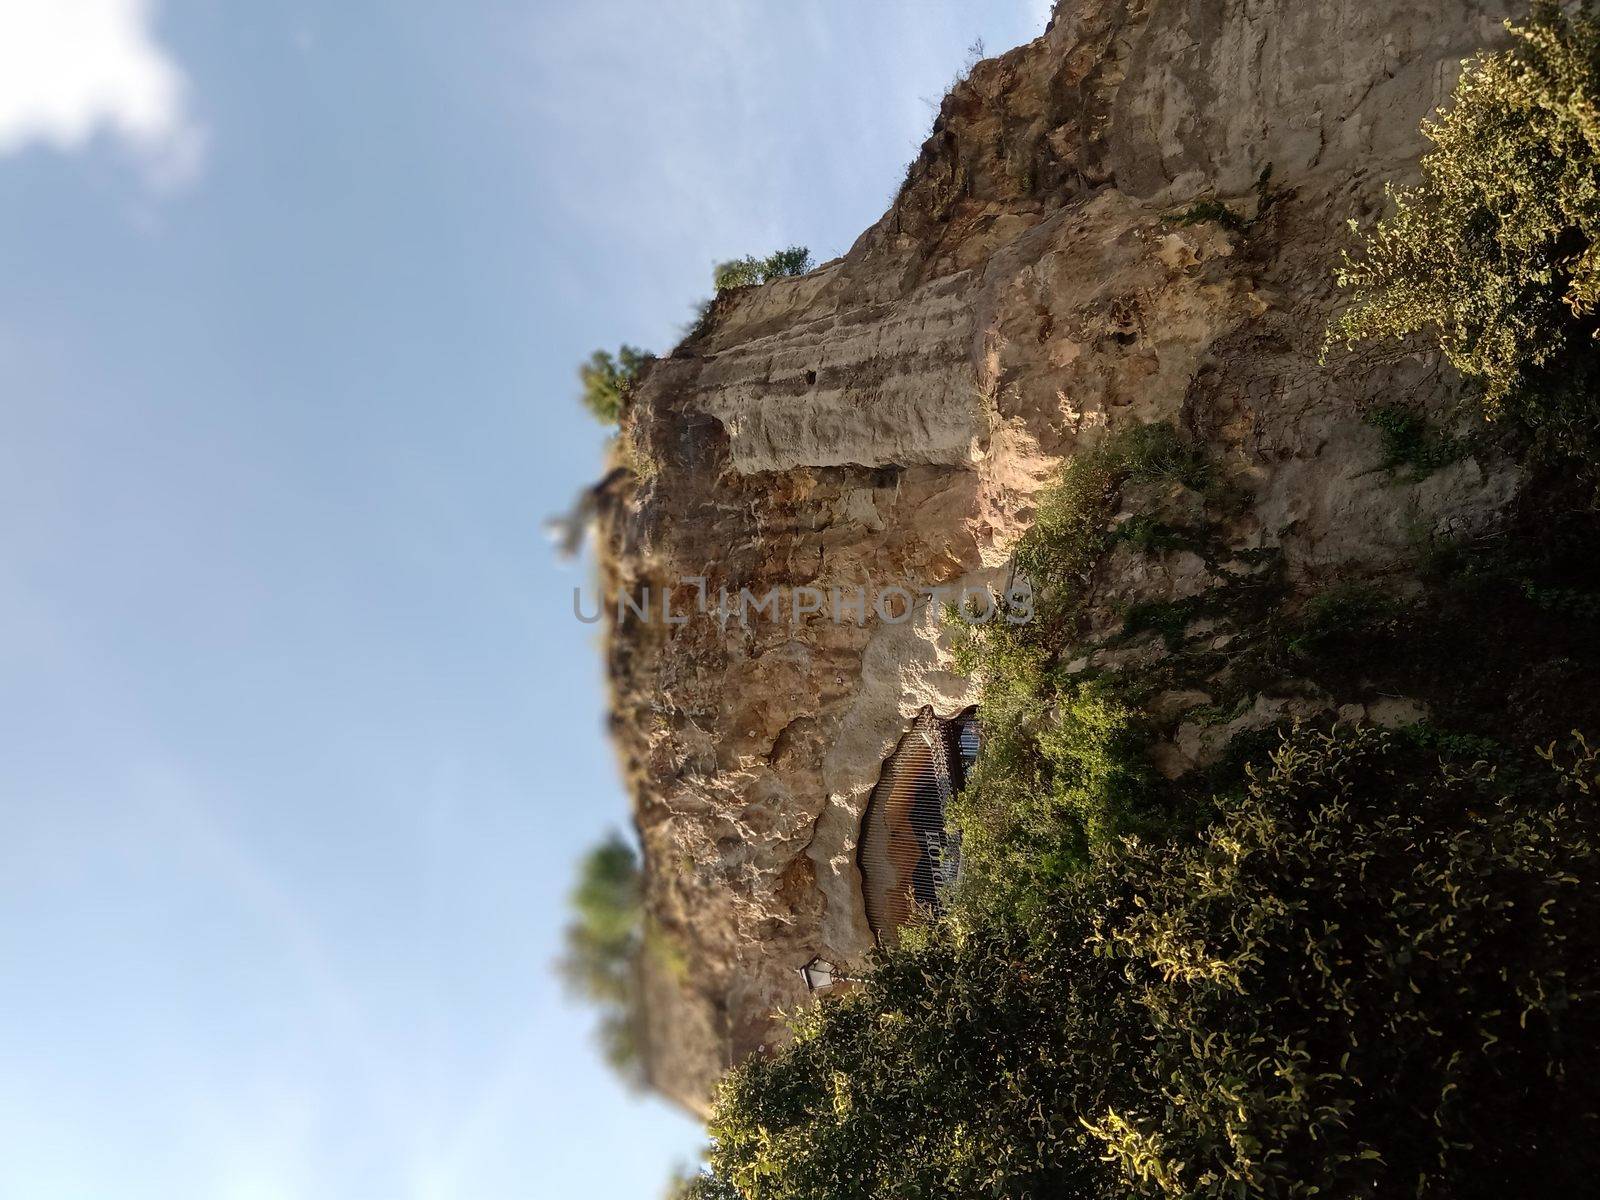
x=1045, y=275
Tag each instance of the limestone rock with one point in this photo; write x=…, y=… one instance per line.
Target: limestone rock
x=886, y=420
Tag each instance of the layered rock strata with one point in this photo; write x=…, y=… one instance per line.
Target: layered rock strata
x=1133, y=218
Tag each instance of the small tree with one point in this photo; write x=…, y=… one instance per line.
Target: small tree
x=796, y=260
x=606, y=379
x=603, y=944
x=750, y=271
x=1496, y=255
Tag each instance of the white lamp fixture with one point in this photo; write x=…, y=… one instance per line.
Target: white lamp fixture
x=819, y=973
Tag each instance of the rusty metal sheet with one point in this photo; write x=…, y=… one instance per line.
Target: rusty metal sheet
x=906, y=855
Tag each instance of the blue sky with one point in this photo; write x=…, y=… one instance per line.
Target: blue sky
x=298, y=738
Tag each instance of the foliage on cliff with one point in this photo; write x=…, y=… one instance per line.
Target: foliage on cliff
x=751, y=271
x=603, y=944
x=1063, y=769
x=1496, y=254
x=1369, y=970
x=1376, y=974
x=606, y=378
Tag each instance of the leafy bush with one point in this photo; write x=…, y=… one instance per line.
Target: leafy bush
x=1056, y=777
x=1375, y=975
x=1063, y=765
x=1410, y=441
x=607, y=378
x=748, y=271
x=1341, y=621
x=1070, y=533
x=1211, y=210
x=603, y=944
x=1496, y=255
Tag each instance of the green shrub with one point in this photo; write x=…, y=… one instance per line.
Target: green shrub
x=1054, y=780
x=1211, y=210
x=604, y=940
x=1063, y=765
x=737, y=273
x=701, y=324
x=607, y=378
x=1375, y=975
x=1169, y=618
x=1071, y=531
x=948, y=1075
x=1150, y=535
x=748, y=271
x=1344, y=620
x=1556, y=572
x=1496, y=255
x=1409, y=440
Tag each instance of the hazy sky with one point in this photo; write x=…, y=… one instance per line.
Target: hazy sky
x=298, y=738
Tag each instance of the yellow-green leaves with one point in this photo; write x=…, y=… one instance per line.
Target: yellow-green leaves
x=1495, y=257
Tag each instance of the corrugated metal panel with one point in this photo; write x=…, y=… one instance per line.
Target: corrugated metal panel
x=906, y=856
x=967, y=742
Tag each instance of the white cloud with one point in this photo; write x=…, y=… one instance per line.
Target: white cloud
x=71, y=70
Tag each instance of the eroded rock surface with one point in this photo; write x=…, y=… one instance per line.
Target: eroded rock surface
x=1044, y=276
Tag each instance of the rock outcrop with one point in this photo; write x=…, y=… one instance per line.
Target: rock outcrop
x=1133, y=218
